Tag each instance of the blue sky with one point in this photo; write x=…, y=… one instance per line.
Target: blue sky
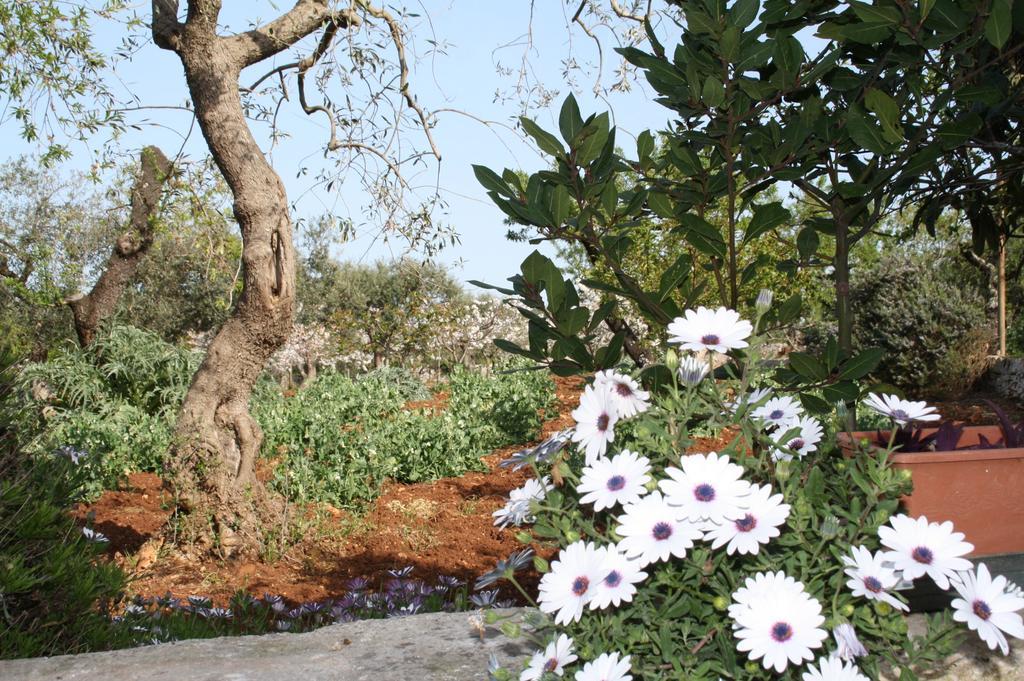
x=464, y=78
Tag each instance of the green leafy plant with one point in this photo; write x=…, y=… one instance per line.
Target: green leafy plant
x=56, y=595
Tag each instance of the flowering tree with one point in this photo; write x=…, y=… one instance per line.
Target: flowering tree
x=308, y=348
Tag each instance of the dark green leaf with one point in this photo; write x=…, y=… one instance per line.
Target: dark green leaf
x=570, y=122
x=861, y=365
x=807, y=242
x=766, y=217
x=999, y=23
x=545, y=140
x=807, y=366
x=491, y=182
x=744, y=12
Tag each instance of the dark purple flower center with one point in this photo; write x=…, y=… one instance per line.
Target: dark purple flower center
x=613, y=579
x=662, y=531
x=872, y=584
x=746, y=523
x=623, y=389
x=796, y=444
x=551, y=665
x=616, y=482
x=580, y=585
x=782, y=632
x=900, y=415
x=602, y=422
x=710, y=339
x=923, y=554
x=981, y=609
x=704, y=492
x=776, y=415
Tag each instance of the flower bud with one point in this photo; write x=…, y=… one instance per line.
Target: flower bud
x=692, y=371
x=882, y=608
x=511, y=629
x=782, y=470
x=905, y=474
x=764, y=300
x=848, y=610
x=572, y=536
x=721, y=603
x=524, y=537
x=671, y=359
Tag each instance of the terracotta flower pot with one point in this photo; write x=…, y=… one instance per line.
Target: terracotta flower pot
x=981, y=491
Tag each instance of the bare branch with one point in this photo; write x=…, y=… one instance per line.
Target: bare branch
x=403, y=86
x=304, y=18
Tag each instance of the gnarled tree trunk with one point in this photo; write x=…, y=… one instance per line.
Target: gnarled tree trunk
x=216, y=441
x=92, y=309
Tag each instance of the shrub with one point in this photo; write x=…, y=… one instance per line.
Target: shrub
x=342, y=439
x=117, y=400
x=933, y=331
x=1007, y=378
x=399, y=379
x=56, y=595
x=508, y=407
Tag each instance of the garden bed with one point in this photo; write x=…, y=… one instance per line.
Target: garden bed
x=442, y=527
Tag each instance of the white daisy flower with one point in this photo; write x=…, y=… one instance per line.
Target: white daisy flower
x=572, y=582
x=516, y=510
x=848, y=646
x=692, y=371
x=870, y=577
x=607, y=667
x=651, y=530
x=760, y=523
x=617, y=585
x=901, y=411
x=753, y=398
x=551, y=660
x=94, y=536
x=987, y=606
x=778, y=411
x=595, y=420
x=764, y=300
x=718, y=330
x=619, y=480
x=757, y=586
x=709, y=487
x=918, y=547
x=833, y=669
x=802, y=442
x=626, y=392
x=778, y=622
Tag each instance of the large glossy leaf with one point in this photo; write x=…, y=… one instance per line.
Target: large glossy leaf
x=861, y=364
x=570, y=122
x=544, y=139
x=767, y=216
x=999, y=23
x=491, y=181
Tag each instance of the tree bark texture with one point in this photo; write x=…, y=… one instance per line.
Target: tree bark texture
x=92, y=309
x=216, y=442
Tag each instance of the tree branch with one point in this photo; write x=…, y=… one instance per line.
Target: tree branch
x=305, y=17
x=90, y=310
x=166, y=27
x=403, y=86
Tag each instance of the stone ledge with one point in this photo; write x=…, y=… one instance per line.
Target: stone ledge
x=434, y=647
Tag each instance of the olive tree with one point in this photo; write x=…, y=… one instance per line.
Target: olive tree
x=216, y=439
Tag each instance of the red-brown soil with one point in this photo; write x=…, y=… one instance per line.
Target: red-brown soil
x=443, y=527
